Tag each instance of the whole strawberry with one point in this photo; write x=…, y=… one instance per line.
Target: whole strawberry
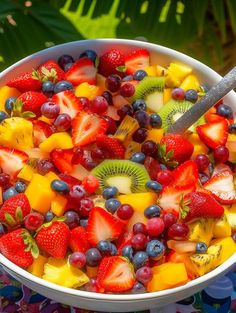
x=32, y=101
x=79, y=240
x=113, y=146
x=53, y=238
x=19, y=247
x=199, y=204
x=28, y=81
x=50, y=70
x=14, y=210
x=109, y=62
x=178, y=148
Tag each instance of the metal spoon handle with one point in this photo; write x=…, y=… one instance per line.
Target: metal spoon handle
x=217, y=92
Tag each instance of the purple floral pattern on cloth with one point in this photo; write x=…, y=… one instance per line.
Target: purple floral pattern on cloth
x=219, y=297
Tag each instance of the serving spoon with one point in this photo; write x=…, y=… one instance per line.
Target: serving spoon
x=217, y=92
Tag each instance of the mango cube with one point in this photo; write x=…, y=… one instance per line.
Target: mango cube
x=60, y=140
x=222, y=227
x=88, y=91
x=6, y=92
x=139, y=201
x=228, y=247
x=37, y=266
x=58, y=205
x=155, y=135
x=28, y=170
x=40, y=193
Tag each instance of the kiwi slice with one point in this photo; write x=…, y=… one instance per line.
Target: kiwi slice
x=151, y=90
x=127, y=176
x=173, y=110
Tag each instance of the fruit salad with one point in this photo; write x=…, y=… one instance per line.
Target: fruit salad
x=94, y=192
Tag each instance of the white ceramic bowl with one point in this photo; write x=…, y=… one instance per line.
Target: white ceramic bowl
x=109, y=302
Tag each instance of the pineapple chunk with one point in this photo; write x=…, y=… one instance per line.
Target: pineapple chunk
x=161, y=71
x=151, y=70
x=231, y=216
x=190, y=82
x=231, y=145
x=131, y=148
x=222, y=227
x=167, y=95
x=206, y=262
x=62, y=273
x=199, y=147
x=37, y=266
x=228, y=247
x=201, y=230
x=28, y=170
x=180, y=71
x=16, y=132
x=60, y=140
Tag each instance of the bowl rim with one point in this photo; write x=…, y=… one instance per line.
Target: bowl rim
x=119, y=297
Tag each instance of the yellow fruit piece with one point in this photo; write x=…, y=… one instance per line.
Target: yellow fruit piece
x=58, y=140
x=139, y=201
x=5, y=93
x=167, y=275
x=58, y=205
x=222, y=227
x=180, y=71
x=231, y=145
x=131, y=148
x=16, y=132
x=40, y=193
x=88, y=91
x=151, y=70
x=62, y=273
x=161, y=71
x=231, y=216
x=101, y=82
x=37, y=266
x=201, y=230
x=199, y=146
x=91, y=271
x=228, y=247
x=190, y=82
x=171, y=81
x=46, y=120
x=51, y=176
x=155, y=134
x=28, y=170
x=137, y=217
x=126, y=128
x=167, y=95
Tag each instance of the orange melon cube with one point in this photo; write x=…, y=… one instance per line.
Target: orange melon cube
x=91, y=271
x=60, y=140
x=6, y=92
x=88, y=91
x=155, y=135
x=37, y=267
x=58, y=205
x=167, y=95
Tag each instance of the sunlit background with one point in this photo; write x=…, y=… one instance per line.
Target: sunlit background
x=204, y=29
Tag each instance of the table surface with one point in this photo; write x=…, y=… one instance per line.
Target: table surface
x=219, y=297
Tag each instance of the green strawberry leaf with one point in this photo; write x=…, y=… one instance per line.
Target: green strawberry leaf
x=96, y=62
x=121, y=68
x=34, y=250
x=19, y=214
x=10, y=220
x=36, y=75
x=169, y=155
x=28, y=114
x=184, y=207
x=49, y=74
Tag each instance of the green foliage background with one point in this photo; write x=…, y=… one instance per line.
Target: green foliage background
x=205, y=29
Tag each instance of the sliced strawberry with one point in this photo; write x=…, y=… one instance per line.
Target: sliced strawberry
x=68, y=103
x=32, y=101
x=41, y=132
x=62, y=159
x=25, y=82
x=70, y=180
x=50, y=70
x=137, y=59
x=12, y=160
x=185, y=175
x=115, y=274
x=78, y=240
x=82, y=71
x=86, y=127
x=103, y=226
x=221, y=184
x=200, y=205
x=214, y=118
x=214, y=133
x=113, y=146
x=124, y=240
x=110, y=61
x=171, y=196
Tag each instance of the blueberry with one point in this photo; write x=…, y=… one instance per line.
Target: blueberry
x=105, y=247
x=138, y=157
x=155, y=249
x=113, y=249
x=140, y=259
x=225, y=111
x=140, y=74
x=211, y=169
x=9, y=104
x=163, y=167
x=232, y=128
x=191, y=95
x=64, y=60
x=128, y=252
x=20, y=186
x=3, y=116
x=49, y=216
x=63, y=85
x=110, y=192
x=8, y=193
x=68, y=66
x=128, y=78
x=112, y=205
x=154, y=186
x=152, y=211
x=234, y=237
x=92, y=55
x=139, y=104
x=203, y=178
x=60, y=186
x=83, y=222
x=201, y=247
x=48, y=88
x=93, y=257
x=155, y=120
x=3, y=229
x=138, y=288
